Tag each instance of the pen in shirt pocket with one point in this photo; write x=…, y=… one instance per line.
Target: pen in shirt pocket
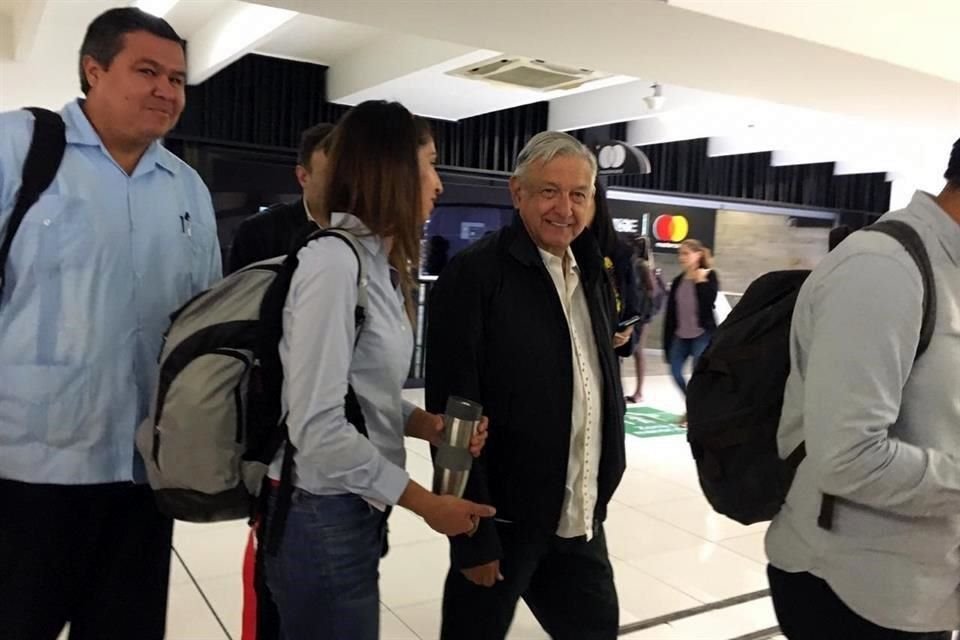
x=185, y=224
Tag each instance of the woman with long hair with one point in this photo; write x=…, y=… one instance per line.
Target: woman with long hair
x=342, y=383
x=690, y=322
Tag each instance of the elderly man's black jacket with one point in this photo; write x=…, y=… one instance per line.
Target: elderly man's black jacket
x=497, y=334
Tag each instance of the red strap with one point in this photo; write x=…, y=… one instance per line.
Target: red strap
x=249, y=631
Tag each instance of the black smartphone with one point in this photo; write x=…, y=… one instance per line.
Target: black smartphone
x=623, y=325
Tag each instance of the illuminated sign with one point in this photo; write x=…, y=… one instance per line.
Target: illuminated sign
x=666, y=225
x=619, y=158
x=671, y=228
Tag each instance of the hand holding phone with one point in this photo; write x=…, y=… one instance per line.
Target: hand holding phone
x=623, y=325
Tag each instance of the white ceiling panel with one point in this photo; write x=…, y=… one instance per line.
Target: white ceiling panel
x=189, y=16
x=319, y=40
x=923, y=35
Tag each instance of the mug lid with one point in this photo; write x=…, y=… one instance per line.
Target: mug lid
x=463, y=409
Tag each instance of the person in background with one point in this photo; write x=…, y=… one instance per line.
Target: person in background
x=650, y=283
x=340, y=379
x=689, y=323
x=123, y=237
x=273, y=232
x=438, y=251
x=617, y=263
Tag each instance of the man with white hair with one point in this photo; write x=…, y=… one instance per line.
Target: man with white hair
x=523, y=322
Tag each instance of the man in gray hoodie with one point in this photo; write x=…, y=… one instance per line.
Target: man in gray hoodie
x=882, y=434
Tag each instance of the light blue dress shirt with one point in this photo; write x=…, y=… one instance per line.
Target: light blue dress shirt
x=318, y=356
x=96, y=268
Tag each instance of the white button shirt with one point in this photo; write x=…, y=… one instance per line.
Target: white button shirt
x=580, y=492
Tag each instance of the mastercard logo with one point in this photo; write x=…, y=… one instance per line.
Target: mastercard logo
x=671, y=228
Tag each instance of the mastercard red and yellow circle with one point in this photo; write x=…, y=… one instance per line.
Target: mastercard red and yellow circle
x=671, y=228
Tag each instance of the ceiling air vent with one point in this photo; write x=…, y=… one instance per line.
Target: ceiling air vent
x=528, y=73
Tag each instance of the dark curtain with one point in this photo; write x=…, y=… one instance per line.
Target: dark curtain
x=267, y=102
x=445, y=136
x=257, y=100
x=684, y=167
x=862, y=192
x=492, y=141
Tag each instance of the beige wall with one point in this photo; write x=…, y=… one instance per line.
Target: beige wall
x=751, y=244
x=747, y=245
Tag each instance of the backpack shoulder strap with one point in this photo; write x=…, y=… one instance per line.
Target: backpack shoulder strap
x=273, y=533
x=351, y=241
x=354, y=244
x=39, y=170
x=907, y=236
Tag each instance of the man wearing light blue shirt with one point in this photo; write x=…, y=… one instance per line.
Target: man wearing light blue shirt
x=123, y=236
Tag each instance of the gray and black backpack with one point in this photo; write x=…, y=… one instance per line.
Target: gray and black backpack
x=215, y=421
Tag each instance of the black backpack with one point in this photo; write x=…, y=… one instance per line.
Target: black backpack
x=39, y=170
x=735, y=397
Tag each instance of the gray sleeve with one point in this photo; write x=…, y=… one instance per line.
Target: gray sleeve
x=323, y=294
x=866, y=329
x=408, y=409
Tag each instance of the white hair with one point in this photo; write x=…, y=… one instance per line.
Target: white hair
x=547, y=145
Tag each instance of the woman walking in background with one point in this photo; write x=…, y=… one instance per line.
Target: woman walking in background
x=690, y=322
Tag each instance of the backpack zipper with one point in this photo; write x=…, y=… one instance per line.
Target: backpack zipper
x=237, y=393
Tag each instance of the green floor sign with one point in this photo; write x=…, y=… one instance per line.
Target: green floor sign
x=647, y=422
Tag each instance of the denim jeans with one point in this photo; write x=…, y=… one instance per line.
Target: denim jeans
x=683, y=348
x=324, y=575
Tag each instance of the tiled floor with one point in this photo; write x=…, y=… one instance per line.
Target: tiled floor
x=670, y=553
